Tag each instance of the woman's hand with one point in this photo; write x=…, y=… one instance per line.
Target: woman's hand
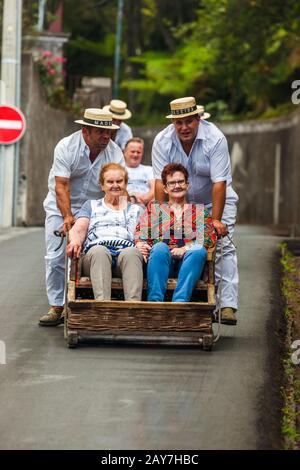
x=73, y=250
x=144, y=248
x=77, y=236
x=178, y=253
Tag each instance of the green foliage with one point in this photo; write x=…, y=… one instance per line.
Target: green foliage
x=237, y=57
x=288, y=428
x=92, y=27
x=288, y=287
x=100, y=49
x=291, y=387
x=287, y=259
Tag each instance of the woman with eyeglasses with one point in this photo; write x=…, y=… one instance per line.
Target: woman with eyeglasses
x=173, y=237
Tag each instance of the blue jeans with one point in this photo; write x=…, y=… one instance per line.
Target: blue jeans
x=161, y=266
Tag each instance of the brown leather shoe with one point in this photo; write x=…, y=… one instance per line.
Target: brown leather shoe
x=228, y=316
x=54, y=317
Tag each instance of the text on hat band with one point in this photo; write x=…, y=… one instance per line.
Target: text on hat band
x=183, y=111
x=96, y=122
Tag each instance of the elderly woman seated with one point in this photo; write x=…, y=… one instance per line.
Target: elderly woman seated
x=105, y=230
x=173, y=238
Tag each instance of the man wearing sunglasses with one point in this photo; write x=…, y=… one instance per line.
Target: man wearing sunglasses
x=202, y=149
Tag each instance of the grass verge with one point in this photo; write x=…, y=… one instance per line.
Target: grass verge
x=291, y=388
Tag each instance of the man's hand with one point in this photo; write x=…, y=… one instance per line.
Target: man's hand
x=140, y=198
x=132, y=199
x=69, y=221
x=73, y=250
x=178, y=253
x=144, y=248
x=221, y=228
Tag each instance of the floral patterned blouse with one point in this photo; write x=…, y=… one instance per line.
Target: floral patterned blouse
x=159, y=224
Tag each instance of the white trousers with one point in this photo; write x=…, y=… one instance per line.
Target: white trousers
x=55, y=261
x=230, y=276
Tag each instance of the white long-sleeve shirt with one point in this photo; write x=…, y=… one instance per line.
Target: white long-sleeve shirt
x=71, y=160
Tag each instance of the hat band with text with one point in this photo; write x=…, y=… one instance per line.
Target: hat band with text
x=183, y=111
x=97, y=122
x=117, y=112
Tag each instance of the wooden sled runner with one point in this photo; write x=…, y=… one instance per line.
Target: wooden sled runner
x=169, y=323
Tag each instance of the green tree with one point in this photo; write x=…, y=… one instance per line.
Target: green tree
x=237, y=56
x=92, y=25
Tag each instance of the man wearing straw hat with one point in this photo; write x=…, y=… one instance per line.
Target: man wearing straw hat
x=202, y=149
x=120, y=113
x=73, y=180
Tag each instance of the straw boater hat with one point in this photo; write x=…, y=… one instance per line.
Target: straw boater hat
x=203, y=114
x=183, y=107
x=97, y=118
x=118, y=109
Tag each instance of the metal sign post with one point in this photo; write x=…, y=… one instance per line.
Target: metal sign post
x=118, y=49
x=10, y=76
x=40, y=24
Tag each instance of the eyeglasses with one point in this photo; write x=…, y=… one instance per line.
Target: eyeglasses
x=172, y=184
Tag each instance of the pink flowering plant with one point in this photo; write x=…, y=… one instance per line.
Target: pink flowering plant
x=52, y=74
x=51, y=69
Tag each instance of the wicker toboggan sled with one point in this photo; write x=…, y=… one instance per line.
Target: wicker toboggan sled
x=172, y=323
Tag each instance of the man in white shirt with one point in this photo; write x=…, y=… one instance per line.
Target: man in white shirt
x=141, y=181
x=73, y=179
x=120, y=113
x=202, y=149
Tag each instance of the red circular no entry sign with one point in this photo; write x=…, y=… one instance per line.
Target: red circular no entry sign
x=12, y=125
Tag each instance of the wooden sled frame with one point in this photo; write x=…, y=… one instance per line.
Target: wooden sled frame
x=169, y=323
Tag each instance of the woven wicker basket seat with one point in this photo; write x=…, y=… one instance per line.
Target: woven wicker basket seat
x=184, y=323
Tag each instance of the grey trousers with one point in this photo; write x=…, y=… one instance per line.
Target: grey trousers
x=97, y=264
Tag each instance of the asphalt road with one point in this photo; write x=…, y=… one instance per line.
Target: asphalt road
x=126, y=397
